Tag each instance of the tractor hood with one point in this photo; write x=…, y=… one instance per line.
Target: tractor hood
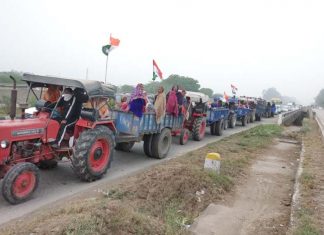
x=25, y=129
x=21, y=127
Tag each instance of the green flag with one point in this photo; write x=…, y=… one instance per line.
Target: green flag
x=105, y=49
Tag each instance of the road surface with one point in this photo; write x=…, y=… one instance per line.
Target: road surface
x=61, y=182
x=320, y=118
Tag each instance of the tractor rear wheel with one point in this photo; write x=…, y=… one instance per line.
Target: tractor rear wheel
x=125, y=146
x=161, y=144
x=184, y=136
x=147, y=145
x=93, y=153
x=219, y=127
x=198, y=129
x=20, y=182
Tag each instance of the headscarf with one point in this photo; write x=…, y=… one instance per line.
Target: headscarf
x=137, y=93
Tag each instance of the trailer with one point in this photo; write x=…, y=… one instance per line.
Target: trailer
x=217, y=120
x=261, y=109
x=243, y=114
x=157, y=138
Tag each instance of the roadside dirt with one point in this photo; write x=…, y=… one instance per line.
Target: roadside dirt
x=261, y=205
x=166, y=198
x=310, y=211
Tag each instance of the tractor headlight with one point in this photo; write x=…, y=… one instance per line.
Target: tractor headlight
x=4, y=144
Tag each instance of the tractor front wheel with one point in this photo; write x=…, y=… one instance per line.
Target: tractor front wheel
x=198, y=129
x=20, y=182
x=184, y=136
x=93, y=153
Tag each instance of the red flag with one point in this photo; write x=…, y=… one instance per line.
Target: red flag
x=156, y=70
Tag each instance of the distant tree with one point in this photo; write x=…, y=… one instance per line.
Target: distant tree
x=207, y=91
x=125, y=88
x=5, y=77
x=152, y=87
x=319, y=100
x=186, y=83
x=217, y=95
x=271, y=93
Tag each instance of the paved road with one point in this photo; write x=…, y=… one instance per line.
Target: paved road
x=61, y=182
x=320, y=118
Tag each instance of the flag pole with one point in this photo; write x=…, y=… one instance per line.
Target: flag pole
x=106, y=69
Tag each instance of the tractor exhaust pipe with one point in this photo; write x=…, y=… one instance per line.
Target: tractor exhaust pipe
x=13, y=103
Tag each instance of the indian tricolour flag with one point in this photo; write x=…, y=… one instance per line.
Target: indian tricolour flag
x=156, y=71
x=113, y=43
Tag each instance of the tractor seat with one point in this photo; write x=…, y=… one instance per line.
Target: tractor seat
x=89, y=114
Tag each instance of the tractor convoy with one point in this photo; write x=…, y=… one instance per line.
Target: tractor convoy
x=89, y=141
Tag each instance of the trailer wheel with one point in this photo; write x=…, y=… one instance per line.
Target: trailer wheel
x=93, y=153
x=125, y=146
x=212, y=128
x=244, y=120
x=184, y=136
x=258, y=117
x=225, y=124
x=47, y=164
x=20, y=182
x=219, y=127
x=147, y=145
x=161, y=144
x=232, y=121
x=198, y=129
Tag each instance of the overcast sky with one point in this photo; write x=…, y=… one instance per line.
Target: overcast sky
x=251, y=44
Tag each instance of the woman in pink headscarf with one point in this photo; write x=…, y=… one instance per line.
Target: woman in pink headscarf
x=172, y=103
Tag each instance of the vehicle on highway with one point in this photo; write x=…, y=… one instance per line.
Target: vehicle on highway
x=195, y=120
x=261, y=109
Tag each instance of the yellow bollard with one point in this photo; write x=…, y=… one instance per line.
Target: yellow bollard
x=212, y=162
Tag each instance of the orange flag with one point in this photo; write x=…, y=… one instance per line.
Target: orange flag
x=114, y=41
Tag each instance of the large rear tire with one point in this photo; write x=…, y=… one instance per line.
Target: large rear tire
x=232, y=121
x=212, y=128
x=20, y=182
x=198, y=129
x=244, y=120
x=219, y=127
x=184, y=136
x=93, y=153
x=161, y=144
x=125, y=146
x=147, y=145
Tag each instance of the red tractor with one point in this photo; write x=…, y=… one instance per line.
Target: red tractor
x=196, y=114
x=26, y=144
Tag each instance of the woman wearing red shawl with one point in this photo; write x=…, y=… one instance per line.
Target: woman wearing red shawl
x=172, y=103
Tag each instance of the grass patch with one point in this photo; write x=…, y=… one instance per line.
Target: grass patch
x=306, y=226
x=163, y=199
x=307, y=180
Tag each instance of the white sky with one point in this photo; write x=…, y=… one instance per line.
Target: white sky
x=252, y=44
